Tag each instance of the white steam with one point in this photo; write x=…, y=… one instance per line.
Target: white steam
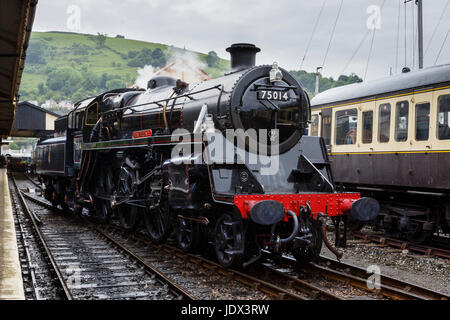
x=144, y=74
x=186, y=61
x=182, y=65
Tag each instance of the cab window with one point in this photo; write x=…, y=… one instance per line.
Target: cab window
x=79, y=120
x=326, y=129
x=346, y=126
x=92, y=114
x=367, y=118
x=384, y=122
x=444, y=117
x=314, y=125
x=401, y=121
x=422, y=121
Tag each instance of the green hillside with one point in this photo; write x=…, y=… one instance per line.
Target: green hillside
x=69, y=66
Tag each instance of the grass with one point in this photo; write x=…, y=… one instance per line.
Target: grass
x=60, y=53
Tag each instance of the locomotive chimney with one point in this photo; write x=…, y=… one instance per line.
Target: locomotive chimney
x=243, y=56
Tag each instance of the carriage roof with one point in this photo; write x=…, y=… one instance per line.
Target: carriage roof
x=410, y=80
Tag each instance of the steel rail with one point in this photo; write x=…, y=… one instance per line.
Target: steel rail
x=181, y=292
x=34, y=220
x=361, y=283
x=31, y=267
x=401, y=244
x=403, y=286
x=32, y=181
x=25, y=245
x=357, y=277
x=301, y=285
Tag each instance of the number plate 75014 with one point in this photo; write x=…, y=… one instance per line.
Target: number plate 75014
x=273, y=95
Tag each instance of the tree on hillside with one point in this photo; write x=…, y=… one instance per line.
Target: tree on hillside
x=142, y=59
x=308, y=80
x=114, y=84
x=159, y=58
x=99, y=39
x=132, y=54
x=36, y=53
x=351, y=78
x=80, y=49
x=78, y=95
x=212, y=59
x=66, y=80
x=42, y=89
x=103, y=79
x=49, y=68
x=90, y=81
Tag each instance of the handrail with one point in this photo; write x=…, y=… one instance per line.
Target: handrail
x=157, y=102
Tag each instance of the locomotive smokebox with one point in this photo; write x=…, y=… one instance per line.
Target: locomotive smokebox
x=243, y=56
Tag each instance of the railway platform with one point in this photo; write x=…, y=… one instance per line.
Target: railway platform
x=11, y=285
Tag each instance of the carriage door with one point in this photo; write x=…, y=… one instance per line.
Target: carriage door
x=325, y=128
x=314, y=127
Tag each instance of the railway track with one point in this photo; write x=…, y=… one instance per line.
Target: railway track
x=277, y=283
x=281, y=284
x=35, y=184
x=389, y=287
x=401, y=244
x=27, y=263
x=274, y=287
x=88, y=264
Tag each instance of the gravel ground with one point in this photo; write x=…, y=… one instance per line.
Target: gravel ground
x=429, y=272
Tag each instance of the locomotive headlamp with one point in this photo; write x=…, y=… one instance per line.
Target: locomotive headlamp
x=275, y=73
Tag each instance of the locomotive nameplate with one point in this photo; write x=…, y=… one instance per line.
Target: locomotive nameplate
x=142, y=134
x=273, y=95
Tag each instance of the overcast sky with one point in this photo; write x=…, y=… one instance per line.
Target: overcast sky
x=281, y=28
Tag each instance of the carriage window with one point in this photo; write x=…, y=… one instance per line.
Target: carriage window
x=444, y=117
x=314, y=125
x=92, y=114
x=422, y=121
x=346, y=126
x=367, y=126
x=384, y=122
x=401, y=121
x=326, y=129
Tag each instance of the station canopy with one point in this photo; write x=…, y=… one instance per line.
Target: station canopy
x=16, y=21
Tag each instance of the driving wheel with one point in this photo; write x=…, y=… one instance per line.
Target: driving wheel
x=229, y=241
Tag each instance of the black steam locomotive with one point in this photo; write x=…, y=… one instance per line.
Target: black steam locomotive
x=221, y=162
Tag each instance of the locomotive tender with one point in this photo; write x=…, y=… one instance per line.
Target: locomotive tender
x=390, y=139
x=123, y=154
